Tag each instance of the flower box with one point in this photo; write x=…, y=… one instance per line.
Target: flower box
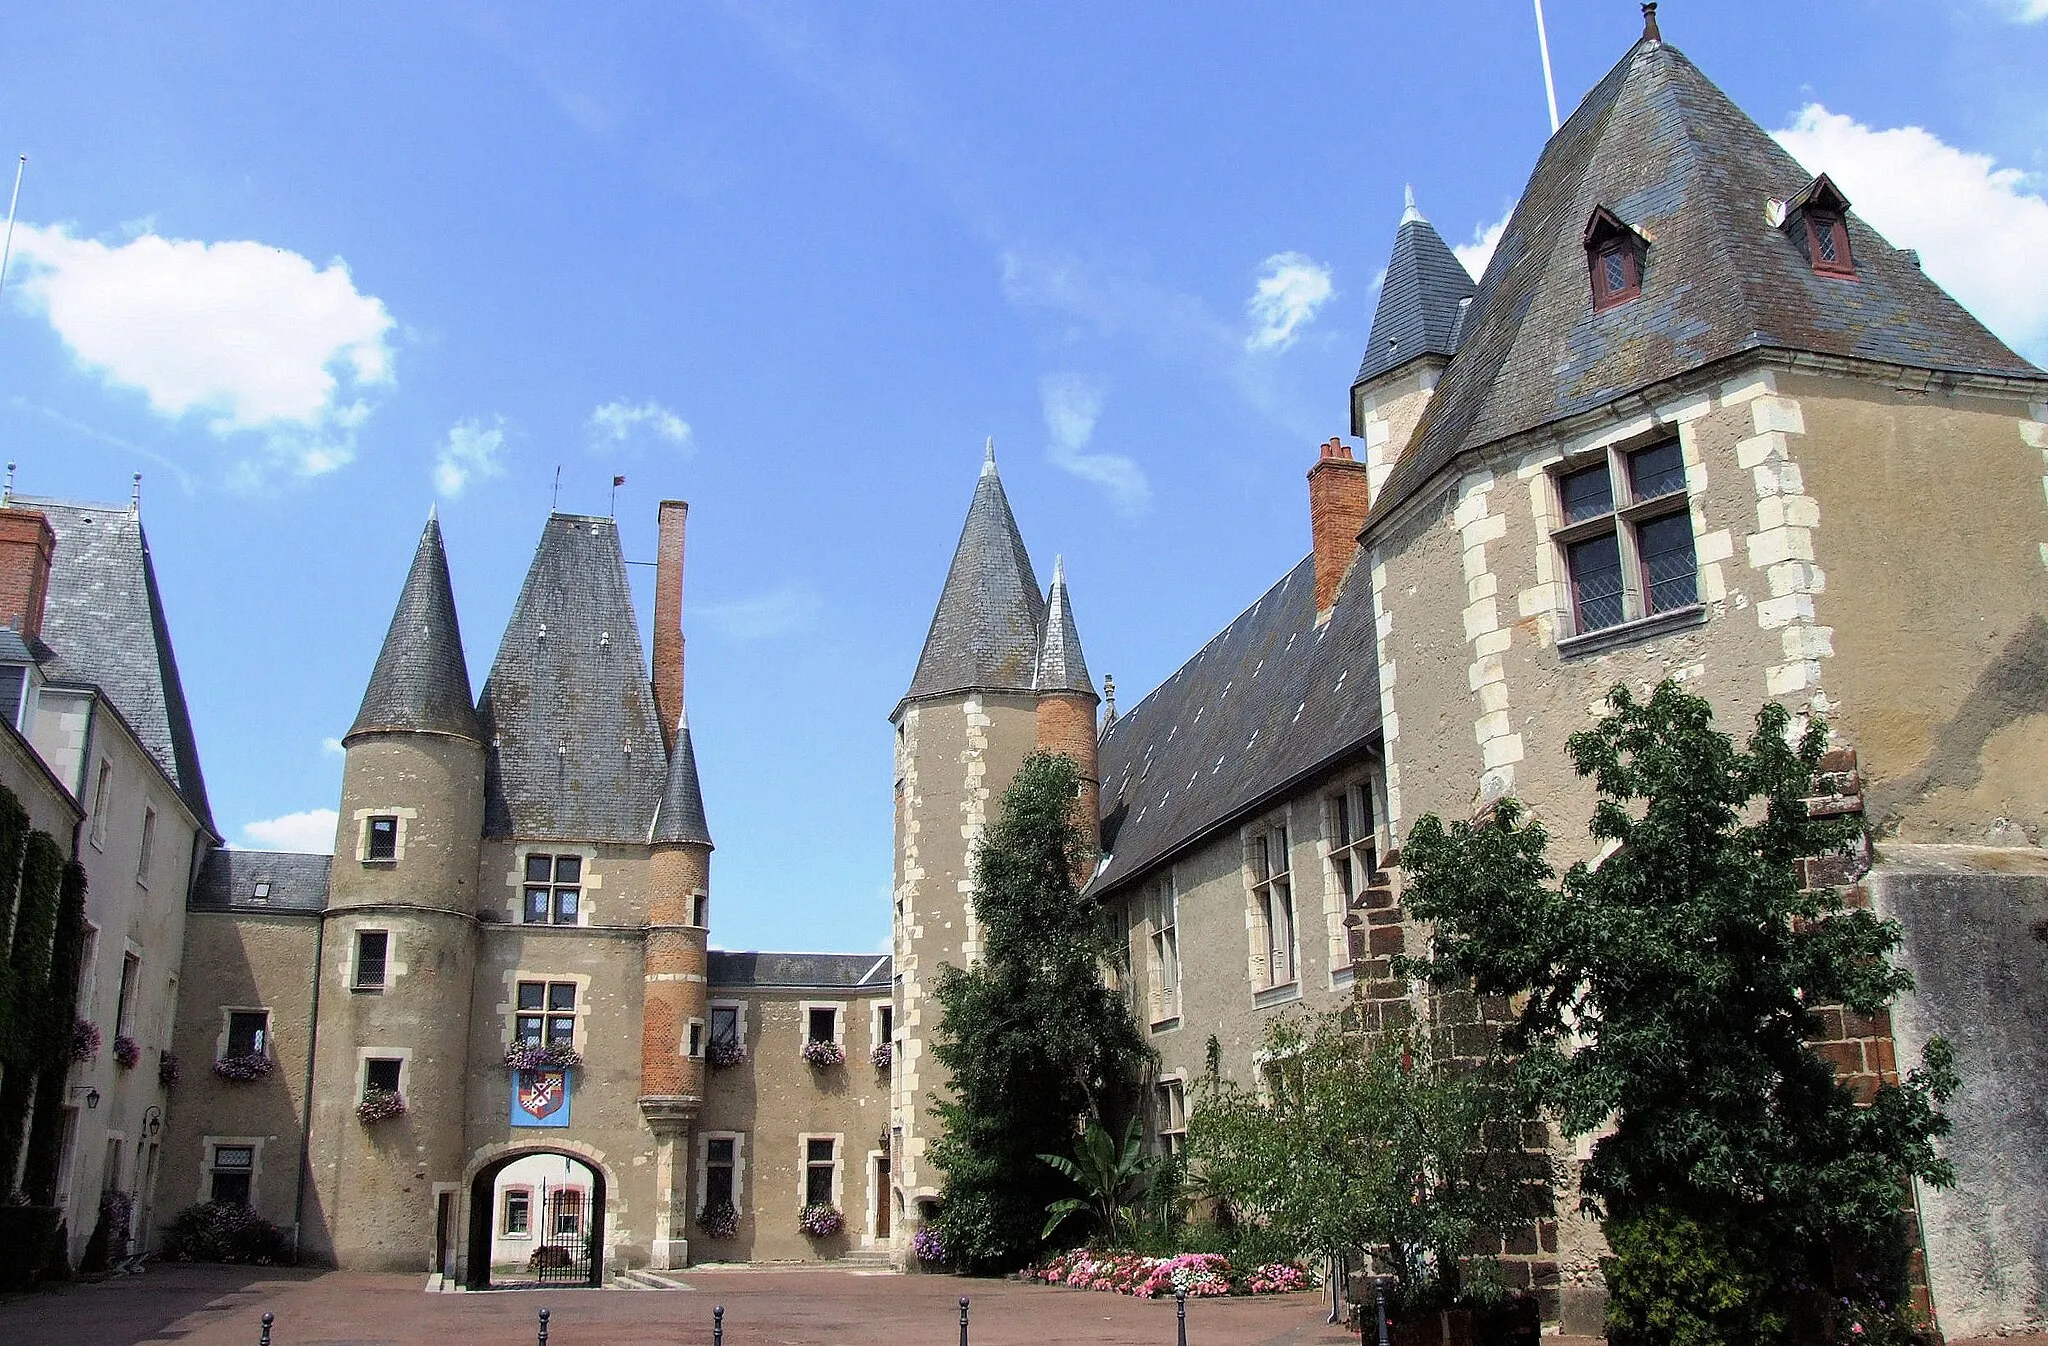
x=719, y=1220
x=244, y=1067
x=822, y=1054
x=821, y=1221
x=535, y=1056
x=127, y=1051
x=167, y=1069
x=720, y=1055
x=883, y=1056
x=85, y=1041
x=380, y=1105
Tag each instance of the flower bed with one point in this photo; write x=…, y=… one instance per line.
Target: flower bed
x=821, y=1221
x=822, y=1054
x=720, y=1055
x=127, y=1051
x=1202, y=1275
x=719, y=1220
x=929, y=1247
x=534, y=1056
x=380, y=1105
x=85, y=1041
x=883, y=1056
x=244, y=1067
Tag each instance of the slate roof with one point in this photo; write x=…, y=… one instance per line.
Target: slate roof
x=1060, y=666
x=227, y=881
x=1420, y=300
x=985, y=631
x=575, y=751
x=1664, y=149
x=681, y=818
x=808, y=971
x=421, y=679
x=104, y=626
x=1268, y=701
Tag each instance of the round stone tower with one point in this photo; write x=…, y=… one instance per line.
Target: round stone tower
x=398, y=945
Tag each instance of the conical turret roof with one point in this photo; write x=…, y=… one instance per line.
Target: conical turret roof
x=985, y=633
x=1060, y=665
x=681, y=816
x=1664, y=150
x=1421, y=299
x=421, y=681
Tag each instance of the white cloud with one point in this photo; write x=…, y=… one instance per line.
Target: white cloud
x=1980, y=234
x=1476, y=254
x=1072, y=404
x=778, y=612
x=311, y=831
x=333, y=747
x=1290, y=289
x=2026, y=11
x=619, y=423
x=471, y=450
x=258, y=340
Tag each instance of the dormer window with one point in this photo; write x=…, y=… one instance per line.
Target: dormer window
x=1818, y=221
x=1615, y=253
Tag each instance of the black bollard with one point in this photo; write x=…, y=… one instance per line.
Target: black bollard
x=1180, y=1308
x=963, y=1320
x=1380, y=1299
x=718, y=1325
x=268, y=1319
x=543, y=1327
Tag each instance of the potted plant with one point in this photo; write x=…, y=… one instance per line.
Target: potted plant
x=244, y=1067
x=821, y=1221
x=822, y=1053
x=719, y=1220
x=127, y=1051
x=723, y=1053
x=883, y=1056
x=380, y=1105
x=538, y=1056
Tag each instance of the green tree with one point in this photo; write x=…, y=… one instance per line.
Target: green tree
x=1032, y=1037
x=1389, y=1144
x=1671, y=990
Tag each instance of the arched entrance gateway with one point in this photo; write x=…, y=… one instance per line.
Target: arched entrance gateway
x=536, y=1217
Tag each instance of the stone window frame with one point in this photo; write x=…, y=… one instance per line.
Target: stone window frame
x=89, y=970
x=579, y=1030
x=1623, y=520
x=592, y=885
x=146, y=849
x=504, y=1220
x=128, y=1000
x=804, y=1164
x=102, y=802
x=1170, y=1101
x=1163, y=995
x=696, y=1034
x=227, y=1028
x=877, y=1006
x=739, y=1170
x=839, y=1017
x=1267, y=989
x=388, y=971
x=1344, y=886
x=210, y=1145
x=363, y=819
x=365, y=1055
x=739, y=1008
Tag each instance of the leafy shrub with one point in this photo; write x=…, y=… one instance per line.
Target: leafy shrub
x=225, y=1231
x=1675, y=1281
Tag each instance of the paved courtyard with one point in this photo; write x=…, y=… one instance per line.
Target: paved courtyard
x=224, y=1306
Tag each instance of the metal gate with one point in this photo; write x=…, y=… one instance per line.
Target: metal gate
x=562, y=1257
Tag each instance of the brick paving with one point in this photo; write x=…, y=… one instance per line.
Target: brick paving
x=224, y=1306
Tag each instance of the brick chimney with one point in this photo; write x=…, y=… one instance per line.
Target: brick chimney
x=26, y=546
x=1338, y=498
x=668, y=619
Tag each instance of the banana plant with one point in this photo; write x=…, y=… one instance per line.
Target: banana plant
x=1111, y=1175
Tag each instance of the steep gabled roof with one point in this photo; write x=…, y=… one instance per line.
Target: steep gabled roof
x=1060, y=667
x=1271, y=700
x=681, y=818
x=575, y=752
x=984, y=635
x=1421, y=300
x=421, y=680
x=104, y=626
x=1661, y=147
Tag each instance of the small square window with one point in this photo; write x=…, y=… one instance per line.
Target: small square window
x=261, y=892
x=1656, y=471
x=823, y=1023
x=1586, y=494
x=553, y=893
x=248, y=1032
x=725, y=1025
x=382, y=1073
x=518, y=1212
x=382, y=840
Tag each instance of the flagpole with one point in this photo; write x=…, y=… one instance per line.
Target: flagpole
x=1549, y=85
x=7, y=251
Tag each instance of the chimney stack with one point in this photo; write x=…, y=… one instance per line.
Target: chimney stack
x=668, y=620
x=1338, y=498
x=26, y=547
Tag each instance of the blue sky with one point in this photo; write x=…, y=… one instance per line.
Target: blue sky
x=311, y=269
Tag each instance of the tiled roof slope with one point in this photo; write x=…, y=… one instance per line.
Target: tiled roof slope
x=1061, y=668
x=421, y=680
x=228, y=879
x=984, y=634
x=1664, y=149
x=682, y=799
x=574, y=749
x=104, y=623
x=1271, y=699
x=800, y=970
x=1420, y=300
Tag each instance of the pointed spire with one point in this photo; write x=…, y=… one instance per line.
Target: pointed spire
x=1060, y=665
x=421, y=682
x=1418, y=311
x=1409, y=213
x=1108, y=702
x=985, y=632
x=681, y=816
